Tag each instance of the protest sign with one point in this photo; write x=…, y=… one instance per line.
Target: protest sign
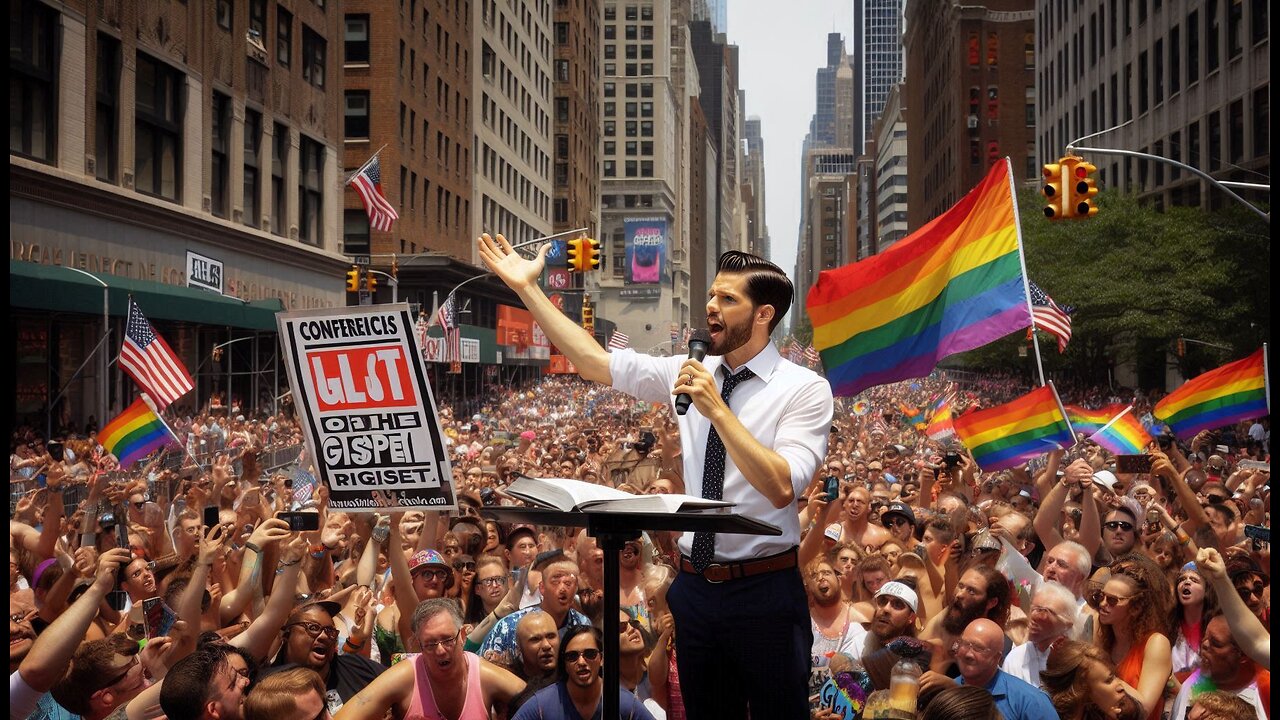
x=368, y=416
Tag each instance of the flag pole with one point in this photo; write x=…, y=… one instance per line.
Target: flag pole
x=366, y=164
x=1026, y=289
x=1112, y=421
x=1065, y=418
x=185, y=450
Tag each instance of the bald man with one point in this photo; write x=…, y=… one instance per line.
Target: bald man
x=977, y=653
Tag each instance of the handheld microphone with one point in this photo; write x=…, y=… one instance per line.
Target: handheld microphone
x=699, y=341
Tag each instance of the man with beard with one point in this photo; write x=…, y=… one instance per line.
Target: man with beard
x=756, y=432
x=1225, y=667
x=900, y=521
x=896, y=603
x=1053, y=613
x=539, y=645
x=981, y=592
x=836, y=628
x=442, y=681
x=311, y=641
x=1119, y=531
x=977, y=653
x=559, y=588
x=580, y=691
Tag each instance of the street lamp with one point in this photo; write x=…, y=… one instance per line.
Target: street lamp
x=105, y=361
x=216, y=353
x=395, y=284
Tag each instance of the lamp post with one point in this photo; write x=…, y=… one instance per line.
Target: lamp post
x=105, y=362
x=215, y=353
x=395, y=284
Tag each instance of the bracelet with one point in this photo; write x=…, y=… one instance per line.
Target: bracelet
x=289, y=563
x=253, y=546
x=353, y=647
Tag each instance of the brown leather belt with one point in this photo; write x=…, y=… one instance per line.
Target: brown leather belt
x=723, y=571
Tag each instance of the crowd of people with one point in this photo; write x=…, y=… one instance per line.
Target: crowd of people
x=1062, y=589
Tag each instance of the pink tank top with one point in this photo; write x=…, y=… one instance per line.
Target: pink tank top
x=423, y=706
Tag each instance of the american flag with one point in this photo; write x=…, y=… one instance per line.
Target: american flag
x=1049, y=317
x=794, y=351
x=618, y=341
x=149, y=360
x=447, y=318
x=812, y=356
x=368, y=185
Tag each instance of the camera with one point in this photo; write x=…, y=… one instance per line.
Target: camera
x=832, y=487
x=951, y=459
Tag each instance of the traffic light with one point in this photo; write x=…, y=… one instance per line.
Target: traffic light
x=1182, y=347
x=575, y=255
x=371, y=282
x=1057, y=190
x=1083, y=189
x=353, y=279
x=588, y=314
x=591, y=252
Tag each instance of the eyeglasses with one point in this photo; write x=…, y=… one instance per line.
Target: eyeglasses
x=467, y=566
x=896, y=521
x=315, y=629
x=590, y=655
x=970, y=647
x=1247, y=590
x=1106, y=598
x=432, y=574
x=447, y=644
x=494, y=581
x=1114, y=525
x=124, y=673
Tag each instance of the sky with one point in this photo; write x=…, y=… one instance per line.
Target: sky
x=779, y=54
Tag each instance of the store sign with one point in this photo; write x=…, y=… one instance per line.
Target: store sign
x=640, y=293
x=204, y=272
x=469, y=349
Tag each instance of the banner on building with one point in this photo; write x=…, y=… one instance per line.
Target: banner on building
x=368, y=416
x=646, y=245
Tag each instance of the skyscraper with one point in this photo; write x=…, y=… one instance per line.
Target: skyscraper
x=880, y=56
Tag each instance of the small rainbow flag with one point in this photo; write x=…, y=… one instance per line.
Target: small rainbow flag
x=912, y=416
x=1087, y=421
x=940, y=425
x=1124, y=435
x=1008, y=435
x=1234, y=392
x=955, y=284
x=861, y=407
x=135, y=433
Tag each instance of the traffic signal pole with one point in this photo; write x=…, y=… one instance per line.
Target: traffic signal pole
x=1072, y=147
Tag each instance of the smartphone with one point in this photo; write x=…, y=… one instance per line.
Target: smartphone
x=1258, y=532
x=158, y=617
x=832, y=486
x=55, y=450
x=117, y=599
x=1133, y=463
x=301, y=521
x=951, y=459
x=1253, y=465
x=210, y=516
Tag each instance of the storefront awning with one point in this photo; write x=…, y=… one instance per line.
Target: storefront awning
x=59, y=289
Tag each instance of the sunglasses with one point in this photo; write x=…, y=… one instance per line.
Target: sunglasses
x=468, y=566
x=1106, y=598
x=1247, y=590
x=590, y=654
x=896, y=521
x=124, y=673
x=433, y=574
x=1118, y=525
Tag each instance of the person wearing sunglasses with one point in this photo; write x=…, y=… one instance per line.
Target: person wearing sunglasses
x=900, y=521
x=1133, y=608
x=310, y=640
x=580, y=690
x=1119, y=531
x=443, y=681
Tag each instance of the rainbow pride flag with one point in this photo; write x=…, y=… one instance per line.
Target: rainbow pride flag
x=940, y=425
x=1008, y=435
x=1124, y=435
x=1088, y=421
x=1234, y=392
x=135, y=433
x=955, y=284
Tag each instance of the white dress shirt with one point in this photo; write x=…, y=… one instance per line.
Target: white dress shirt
x=786, y=408
x=1025, y=662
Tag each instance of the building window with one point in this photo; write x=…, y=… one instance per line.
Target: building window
x=313, y=50
x=279, y=161
x=218, y=146
x=562, y=71
x=224, y=11
x=158, y=141
x=646, y=168
x=311, y=192
x=1235, y=28
x=106, y=117
x=1144, y=81
x=1193, y=47
x=355, y=232
x=1212, y=30
x=258, y=20
x=1031, y=107
x=284, y=36
x=356, y=114
x=355, y=39
x=562, y=33
x=562, y=109
x=993, y=49
x=1175, y=60
x=32, y=99
x=1261, y=121
x=1235, y=120
x=1029, y=51
x=610, y=168
x=252, y=144
x=560, y=211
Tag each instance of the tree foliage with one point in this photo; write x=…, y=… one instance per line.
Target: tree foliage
x=1138, y=279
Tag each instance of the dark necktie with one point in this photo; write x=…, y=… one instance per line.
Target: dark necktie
x=704, y=543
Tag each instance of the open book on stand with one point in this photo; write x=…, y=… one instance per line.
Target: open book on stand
x=569, y=495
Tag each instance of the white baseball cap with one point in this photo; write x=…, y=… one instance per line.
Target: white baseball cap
x=900, y=591
x=1106, y=479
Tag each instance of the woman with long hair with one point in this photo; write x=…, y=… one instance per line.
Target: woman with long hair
x=1133, y=614
x=1194, y=603
x=1082, y=685
x=962, y=701
x=486, y=591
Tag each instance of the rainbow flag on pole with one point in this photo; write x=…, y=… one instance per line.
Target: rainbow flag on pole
x=940, y=425
x=1008, y=435
x=135, y=433
x=1124, y=435
x=1234, y=392
x=955, y=284
x=1088, y=421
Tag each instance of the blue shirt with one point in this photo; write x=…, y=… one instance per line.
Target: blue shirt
x=502, y=638
x=1018, y=700
x=553, y=703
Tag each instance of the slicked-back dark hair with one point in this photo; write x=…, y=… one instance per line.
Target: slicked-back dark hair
x=766, y=283
x=189, y=683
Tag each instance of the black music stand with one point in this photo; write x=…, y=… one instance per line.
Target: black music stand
x=612, y=530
